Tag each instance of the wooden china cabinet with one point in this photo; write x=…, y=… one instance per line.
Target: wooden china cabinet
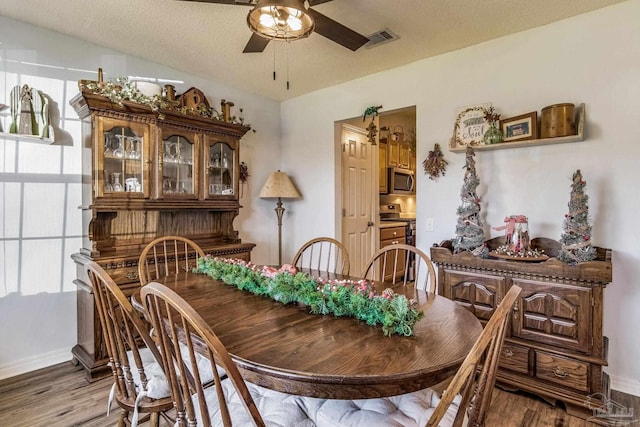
x=148, y=174
x=554, y=347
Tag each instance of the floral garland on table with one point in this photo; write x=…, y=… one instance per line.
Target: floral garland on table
x=339, y=297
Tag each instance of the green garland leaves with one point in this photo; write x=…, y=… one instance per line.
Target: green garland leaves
x=395, y=313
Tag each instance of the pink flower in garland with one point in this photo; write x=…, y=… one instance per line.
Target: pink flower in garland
x=271, y=272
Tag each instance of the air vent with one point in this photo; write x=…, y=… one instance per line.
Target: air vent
x=381, y=37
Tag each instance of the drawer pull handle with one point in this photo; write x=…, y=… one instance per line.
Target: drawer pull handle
x=559, y=372
x=132, y=275
x=507, y=353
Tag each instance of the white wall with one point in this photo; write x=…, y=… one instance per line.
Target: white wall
x=593, y=58
x=40, y=187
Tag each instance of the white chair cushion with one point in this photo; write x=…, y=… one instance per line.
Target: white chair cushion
x=277, y=409
x=407, y=410
x=157, y=384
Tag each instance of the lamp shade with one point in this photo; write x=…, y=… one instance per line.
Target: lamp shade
x=281, y=19
x=279, y=185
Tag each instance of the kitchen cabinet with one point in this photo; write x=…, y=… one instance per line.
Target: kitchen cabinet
x=393, y=159
x=393, y=235
x=555, y=345
x=149, y=173
x=399, y=154
x=404, y=155
x=412, y=160
x=383, y=177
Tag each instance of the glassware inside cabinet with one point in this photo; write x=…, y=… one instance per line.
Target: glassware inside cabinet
x=122, y=165
x=221, y=170
x=177, y=170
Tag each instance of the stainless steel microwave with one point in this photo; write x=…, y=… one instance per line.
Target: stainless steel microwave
x=402, y=181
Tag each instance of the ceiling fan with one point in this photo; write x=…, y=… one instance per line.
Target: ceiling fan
x=308, y=21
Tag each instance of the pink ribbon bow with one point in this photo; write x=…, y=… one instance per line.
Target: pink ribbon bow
x=510, y=223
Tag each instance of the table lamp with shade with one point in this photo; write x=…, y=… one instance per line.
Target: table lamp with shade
x=279, y=186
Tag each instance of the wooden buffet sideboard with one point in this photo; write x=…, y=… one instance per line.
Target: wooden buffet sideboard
x=149, y=173
x=555, y=346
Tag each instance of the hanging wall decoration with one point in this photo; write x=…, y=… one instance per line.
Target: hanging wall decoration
x=435, y=165
x=243, y=177
x=470, y=126
x=576, y=238
x=372, y=130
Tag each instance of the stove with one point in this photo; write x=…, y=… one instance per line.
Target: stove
x=393, y=212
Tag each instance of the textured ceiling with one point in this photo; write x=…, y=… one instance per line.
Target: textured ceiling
x=207, y=39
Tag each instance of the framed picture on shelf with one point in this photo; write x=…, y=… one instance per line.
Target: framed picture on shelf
x=470, y=126
x=520, y=128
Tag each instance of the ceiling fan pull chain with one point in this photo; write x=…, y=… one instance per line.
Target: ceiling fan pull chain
x=274, y=63
x=287, y=53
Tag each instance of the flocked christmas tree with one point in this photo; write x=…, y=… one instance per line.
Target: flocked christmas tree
x=469, y=232
x=576, y=238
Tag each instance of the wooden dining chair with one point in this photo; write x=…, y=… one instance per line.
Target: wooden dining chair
x=167, y=255
x=476, y=377
x=465, y=401
x=230, y=401
x=140, y=386
x=393, y=264
x=323, y=254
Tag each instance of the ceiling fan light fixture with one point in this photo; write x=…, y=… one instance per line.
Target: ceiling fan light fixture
x=285, y=20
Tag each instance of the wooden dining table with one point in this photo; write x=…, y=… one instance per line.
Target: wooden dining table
x=286, y=348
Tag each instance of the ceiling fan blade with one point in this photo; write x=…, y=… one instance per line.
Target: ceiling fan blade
x=237, y=2
x=255, y=44
x=337, y=32
x=317, y=2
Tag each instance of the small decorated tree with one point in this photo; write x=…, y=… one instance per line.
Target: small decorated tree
x=469, y=232
x=576, y=238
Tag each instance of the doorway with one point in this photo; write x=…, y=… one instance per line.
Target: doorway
x=364, y=180
x=358, y=210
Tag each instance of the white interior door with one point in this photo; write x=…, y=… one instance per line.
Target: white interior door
x=358, y=231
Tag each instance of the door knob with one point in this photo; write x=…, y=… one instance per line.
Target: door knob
x=370, y=224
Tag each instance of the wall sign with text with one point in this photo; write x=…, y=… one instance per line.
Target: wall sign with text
x=471, y=125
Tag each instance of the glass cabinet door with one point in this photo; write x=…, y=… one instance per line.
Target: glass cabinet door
x=121, y=160
x=178, y=159
x=221, y=170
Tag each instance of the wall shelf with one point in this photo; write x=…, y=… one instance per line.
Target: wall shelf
x=26, y=138
x=580, y=117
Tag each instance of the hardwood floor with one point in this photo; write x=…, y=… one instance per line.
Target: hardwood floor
x=60, y=396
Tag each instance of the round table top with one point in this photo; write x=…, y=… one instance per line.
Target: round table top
x=286, y=348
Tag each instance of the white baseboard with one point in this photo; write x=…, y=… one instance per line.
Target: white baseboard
x=625, y=385
x=34, y=363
